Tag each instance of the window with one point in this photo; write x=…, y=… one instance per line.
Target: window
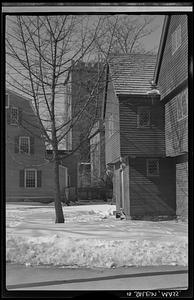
x=176, y=39
x=30, y=178
x=143, y=117
x=14, y=118
x=6, y=101
x=24, y=144
x=182, y=105
x=152, y=167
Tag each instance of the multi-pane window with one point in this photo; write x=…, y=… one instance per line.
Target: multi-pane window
x=24, y=144
x=14, y=117
x=30, y=178
x=176, y=39
x=152, y=167
x=143, y=117
x=182, y=105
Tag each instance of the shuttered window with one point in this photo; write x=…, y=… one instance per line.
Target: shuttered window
x=24, y=144
x=30, y=178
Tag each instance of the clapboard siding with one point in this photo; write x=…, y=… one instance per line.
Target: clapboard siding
x=172, y=80
x=29, y=127
x=176, y=132
x=112, y=143
x=152, y=195
x=16, y=162
x=141, y=141
x=174, y=67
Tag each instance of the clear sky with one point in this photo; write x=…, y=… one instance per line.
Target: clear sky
x=153, y=39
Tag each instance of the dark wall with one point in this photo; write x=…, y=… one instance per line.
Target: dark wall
x=141, y=141
x=152, y=195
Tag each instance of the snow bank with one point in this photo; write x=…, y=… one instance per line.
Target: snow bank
x=56, y=250
x=91, y=237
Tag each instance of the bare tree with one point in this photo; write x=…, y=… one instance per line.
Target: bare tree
x=129, y=34
x=40, y=52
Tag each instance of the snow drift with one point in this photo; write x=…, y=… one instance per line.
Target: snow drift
x=91, y=237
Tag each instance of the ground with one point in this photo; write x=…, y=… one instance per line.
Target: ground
x=91, y=237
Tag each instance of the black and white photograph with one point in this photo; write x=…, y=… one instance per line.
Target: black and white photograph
x=96, y=101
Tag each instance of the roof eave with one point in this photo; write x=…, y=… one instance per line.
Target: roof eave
x=7, y=90
x=161, y=47
x=105, y=94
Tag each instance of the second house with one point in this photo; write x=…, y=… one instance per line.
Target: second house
x=144, y=179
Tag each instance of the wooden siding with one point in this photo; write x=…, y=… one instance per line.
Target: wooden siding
x=182, y=189
x=28, y=127
x=151, y=195
x=112, y=143
x=176, y=132
x=174, y=68
x=141, y=141
x=15, y=162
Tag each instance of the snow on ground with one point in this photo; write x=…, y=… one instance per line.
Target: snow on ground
x=91, y=237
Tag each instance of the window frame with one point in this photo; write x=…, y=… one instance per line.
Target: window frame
x=176, y=39
x=8, y=100
x=139, y=109
x=36, y=179
x=11, y=109
x=179, y=105
x=147, y=167
x=29, y=149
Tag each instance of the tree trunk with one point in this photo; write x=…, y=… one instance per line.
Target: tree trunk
x=58, y=206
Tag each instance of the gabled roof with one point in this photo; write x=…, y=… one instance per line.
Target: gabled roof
x=17, y=94
x=133, y=73
x=21, y=97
